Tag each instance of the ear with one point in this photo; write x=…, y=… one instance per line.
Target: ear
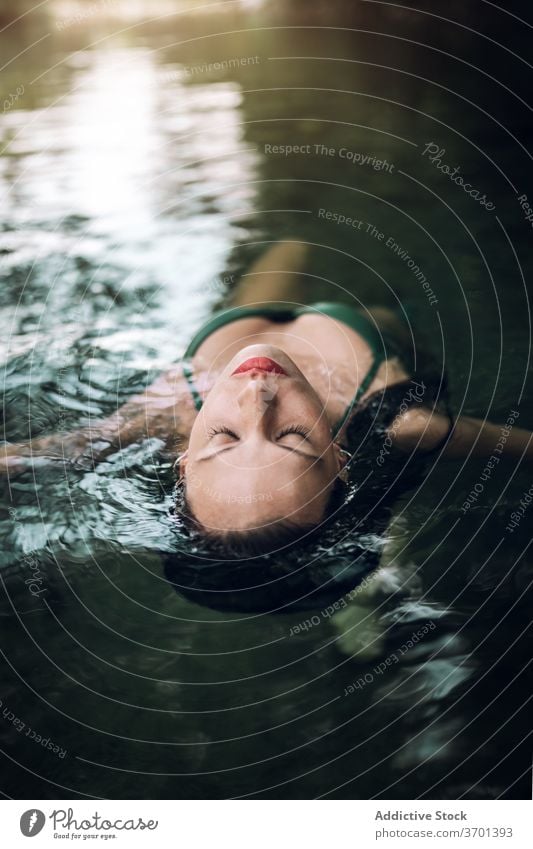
x=343, y=457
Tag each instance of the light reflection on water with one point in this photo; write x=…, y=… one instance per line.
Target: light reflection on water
x=93, y=161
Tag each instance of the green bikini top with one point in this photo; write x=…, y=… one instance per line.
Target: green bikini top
x=281, y=313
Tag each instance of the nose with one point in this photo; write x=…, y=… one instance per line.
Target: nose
x=257, y=395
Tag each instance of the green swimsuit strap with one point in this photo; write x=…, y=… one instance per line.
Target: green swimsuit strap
x=361, y=389
x=189, y=377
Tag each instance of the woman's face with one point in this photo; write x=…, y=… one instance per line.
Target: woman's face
x=261, y=447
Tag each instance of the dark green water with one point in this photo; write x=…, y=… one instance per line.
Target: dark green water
x=136, y=184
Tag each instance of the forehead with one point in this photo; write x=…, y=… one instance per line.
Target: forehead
x=247, y=510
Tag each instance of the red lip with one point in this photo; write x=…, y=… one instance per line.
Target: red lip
x=260, y=364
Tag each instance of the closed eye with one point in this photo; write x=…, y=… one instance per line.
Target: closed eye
x=298, y=430
x=222, y=446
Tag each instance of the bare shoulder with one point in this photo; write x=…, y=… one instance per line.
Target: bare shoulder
x=390, y=372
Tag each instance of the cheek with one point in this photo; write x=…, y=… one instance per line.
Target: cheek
x=306, y=412
x=321, y=433
x=217, y=404
x=195, y=442
x=201, y=426
x=310, y=407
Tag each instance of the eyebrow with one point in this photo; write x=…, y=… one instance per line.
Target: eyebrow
x=284, y=447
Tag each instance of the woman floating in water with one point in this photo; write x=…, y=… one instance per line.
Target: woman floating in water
x=284, y=416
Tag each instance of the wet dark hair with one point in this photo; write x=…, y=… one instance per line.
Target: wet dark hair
x=275, y=568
